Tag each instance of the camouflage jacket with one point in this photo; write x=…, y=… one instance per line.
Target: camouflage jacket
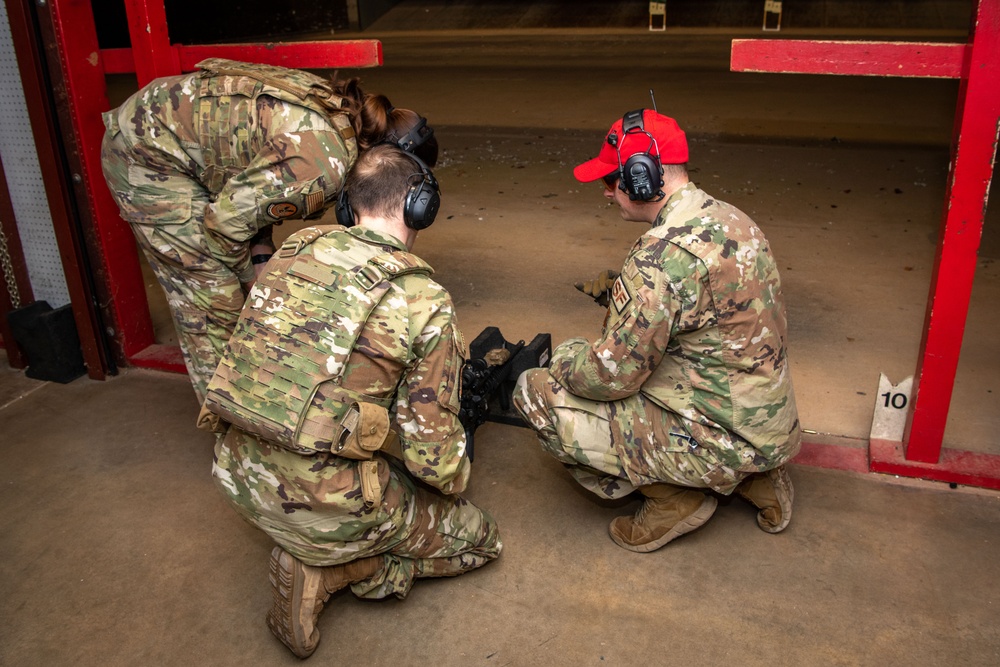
x=267, y=143
x=409, y=353
x=696, y=324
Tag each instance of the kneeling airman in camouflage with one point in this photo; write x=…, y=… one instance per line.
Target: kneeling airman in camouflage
x=345, y=342
x=688, y=387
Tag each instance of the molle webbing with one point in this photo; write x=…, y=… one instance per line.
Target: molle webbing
x=302, y=85
x=280, y=377
x=222, y=79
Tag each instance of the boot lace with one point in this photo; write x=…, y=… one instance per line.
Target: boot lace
x=640, y=516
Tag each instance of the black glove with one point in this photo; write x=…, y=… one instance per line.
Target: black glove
x=599, y=289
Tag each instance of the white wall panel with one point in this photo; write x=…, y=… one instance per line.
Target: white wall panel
x=24, y=180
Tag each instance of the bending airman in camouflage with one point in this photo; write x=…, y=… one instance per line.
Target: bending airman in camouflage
x=346, y=340
x=688, y=387
x=201, y=166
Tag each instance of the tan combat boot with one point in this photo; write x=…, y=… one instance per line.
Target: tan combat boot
x=771, y=492
x=301, y=590
x=668, y=512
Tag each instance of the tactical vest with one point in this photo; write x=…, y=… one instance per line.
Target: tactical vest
x=221, y=80
x=280, y=377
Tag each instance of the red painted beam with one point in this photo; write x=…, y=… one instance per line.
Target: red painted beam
x=903, y=59
x=297, y=55
x=117, y=61
x=48, y=52
x=834, y=457
x=955, y=466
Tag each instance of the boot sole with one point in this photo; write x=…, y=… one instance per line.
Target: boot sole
x=287, y=589
x=683, y=527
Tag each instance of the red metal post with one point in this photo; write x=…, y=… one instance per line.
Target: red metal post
x=974, y=148
x=115, y=262
x=41, y=66
x=152, y=54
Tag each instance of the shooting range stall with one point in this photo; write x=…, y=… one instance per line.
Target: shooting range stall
x=63, y=70
x=918, y=451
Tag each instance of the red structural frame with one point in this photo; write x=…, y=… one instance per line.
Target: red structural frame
x=974, y=145
x=84, y=67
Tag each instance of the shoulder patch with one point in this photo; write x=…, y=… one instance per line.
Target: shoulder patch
x=619, y=295
x=282, y=209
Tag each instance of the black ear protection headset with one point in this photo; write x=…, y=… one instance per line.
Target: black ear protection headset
x=414, y=138
x=641, y=176
x=426, y=197
x=420, y=207
x=423, y=199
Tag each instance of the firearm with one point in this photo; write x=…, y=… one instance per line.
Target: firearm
x=489, y=376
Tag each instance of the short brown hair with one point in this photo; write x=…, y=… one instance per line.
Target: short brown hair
x=376, y=121
x=673, y=171
x=379, y=181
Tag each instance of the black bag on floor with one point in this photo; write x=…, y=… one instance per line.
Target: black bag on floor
x=50, y=342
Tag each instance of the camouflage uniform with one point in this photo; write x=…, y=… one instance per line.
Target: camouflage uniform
x=199, y=163
x=407, y=357
x=689, y=383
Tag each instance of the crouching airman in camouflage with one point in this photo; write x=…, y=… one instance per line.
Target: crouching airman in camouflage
x=344, y=342
x=201, y=166
x=688, y=387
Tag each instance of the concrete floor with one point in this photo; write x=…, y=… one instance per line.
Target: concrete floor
x=118, y=550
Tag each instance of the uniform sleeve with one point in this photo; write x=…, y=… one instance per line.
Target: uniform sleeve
x=634, y=340
x=432, y=437
x=293, y=176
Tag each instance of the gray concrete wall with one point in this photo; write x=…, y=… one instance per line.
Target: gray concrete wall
x=863, y=14
x=520, y=14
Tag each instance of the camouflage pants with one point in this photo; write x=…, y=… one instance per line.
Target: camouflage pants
x=313, y=508
x=606, y=459
x=166, y=214
x=577, y=432
x=447, y=536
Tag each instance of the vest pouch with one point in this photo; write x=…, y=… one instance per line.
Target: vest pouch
x=307, y=425
x=371, y=487
x=209, y=421
x=364, y=430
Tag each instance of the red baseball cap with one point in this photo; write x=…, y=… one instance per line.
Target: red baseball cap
x=668, y=142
